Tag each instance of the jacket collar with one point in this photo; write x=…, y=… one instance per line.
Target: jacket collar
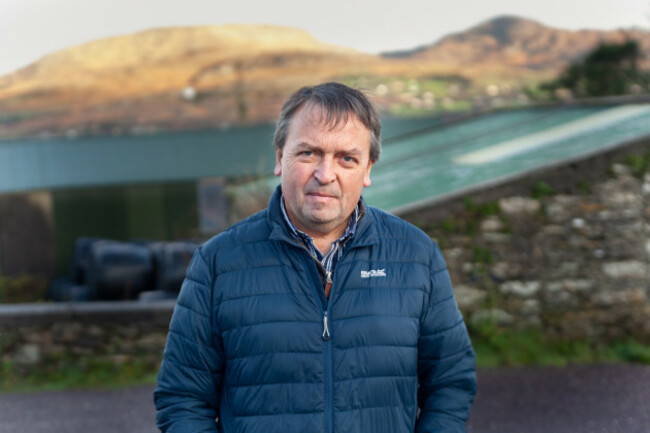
x=365, y=234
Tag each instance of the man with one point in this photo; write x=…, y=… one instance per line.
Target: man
x=320, y=313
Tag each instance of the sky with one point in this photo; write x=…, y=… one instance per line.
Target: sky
x=29, y=29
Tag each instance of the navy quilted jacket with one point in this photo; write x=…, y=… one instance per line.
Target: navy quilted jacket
x=254, y=343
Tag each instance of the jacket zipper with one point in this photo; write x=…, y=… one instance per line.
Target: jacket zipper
x=327, y=352
x=326, y=336
x=327, y=343
x=329, y=387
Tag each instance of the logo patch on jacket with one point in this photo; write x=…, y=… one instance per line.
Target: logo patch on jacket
x=373, y=273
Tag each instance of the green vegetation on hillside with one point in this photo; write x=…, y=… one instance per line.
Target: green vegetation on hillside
x=425, y=95
x=609, y=69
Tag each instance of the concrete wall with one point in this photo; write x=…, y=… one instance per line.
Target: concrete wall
x=27, y=235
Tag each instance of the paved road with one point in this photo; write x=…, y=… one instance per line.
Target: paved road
x=579, y=399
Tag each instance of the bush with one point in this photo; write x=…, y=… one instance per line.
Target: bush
x=22, y=289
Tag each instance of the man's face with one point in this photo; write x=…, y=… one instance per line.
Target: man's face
x=323, y=170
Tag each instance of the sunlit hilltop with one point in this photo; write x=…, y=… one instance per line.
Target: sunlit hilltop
x=207, y=76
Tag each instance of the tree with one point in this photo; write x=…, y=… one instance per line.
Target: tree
x=610, y=69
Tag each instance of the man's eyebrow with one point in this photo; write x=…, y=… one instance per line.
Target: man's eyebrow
x=304, y=145
x=351, y=151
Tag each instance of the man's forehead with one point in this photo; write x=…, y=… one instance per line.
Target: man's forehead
x=312, y=124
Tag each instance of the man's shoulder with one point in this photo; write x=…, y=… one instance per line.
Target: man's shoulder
x=389, y=225
x=406, y=238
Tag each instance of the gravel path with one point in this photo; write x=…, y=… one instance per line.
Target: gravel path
x=577, y=399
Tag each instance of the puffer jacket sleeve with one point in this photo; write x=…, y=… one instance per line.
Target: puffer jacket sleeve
x=187, y=394
x=446, y=364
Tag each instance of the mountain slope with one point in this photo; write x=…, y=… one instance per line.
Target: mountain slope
x=514, y=42
x=198, y=77
x=160, y=58
x=119, y=82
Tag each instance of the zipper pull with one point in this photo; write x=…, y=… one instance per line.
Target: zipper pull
x=326, y=331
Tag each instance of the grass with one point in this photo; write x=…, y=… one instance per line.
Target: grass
x=482, y=255
x=640, y=164
x=481, y=210
x=22, y=289
x=583, y=187
x=542, y=189
x=68, y=373
x=496, y=348
x=469, y=223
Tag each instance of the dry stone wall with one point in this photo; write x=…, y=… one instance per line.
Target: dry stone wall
x=574, y=265
x=33, y=335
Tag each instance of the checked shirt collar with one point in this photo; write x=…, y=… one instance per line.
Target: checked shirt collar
x=329, y=259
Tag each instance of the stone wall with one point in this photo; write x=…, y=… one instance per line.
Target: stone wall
x=117, y=332
x=573, y=264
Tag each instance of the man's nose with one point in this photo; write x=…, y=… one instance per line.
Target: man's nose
x=325, y=171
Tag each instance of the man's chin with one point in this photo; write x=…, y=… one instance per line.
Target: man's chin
x=322, y=219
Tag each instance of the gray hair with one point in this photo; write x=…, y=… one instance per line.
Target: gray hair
x=337, y=102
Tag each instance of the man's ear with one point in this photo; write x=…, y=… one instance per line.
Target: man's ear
x=278, y=162
x=366, y=176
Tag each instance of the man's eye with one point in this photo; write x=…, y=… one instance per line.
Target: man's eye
x=349, y=159
x=306, y=153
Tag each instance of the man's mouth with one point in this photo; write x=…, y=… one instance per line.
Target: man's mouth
x=318, y=194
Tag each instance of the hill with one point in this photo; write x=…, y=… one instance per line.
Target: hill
x=198, y=77
x=138, y=80
x=519, y=44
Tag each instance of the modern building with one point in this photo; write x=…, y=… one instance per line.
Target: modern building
x=183, y=185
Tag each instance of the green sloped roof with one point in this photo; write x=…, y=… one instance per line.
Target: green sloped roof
x=422, y=168
x=422, y=160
